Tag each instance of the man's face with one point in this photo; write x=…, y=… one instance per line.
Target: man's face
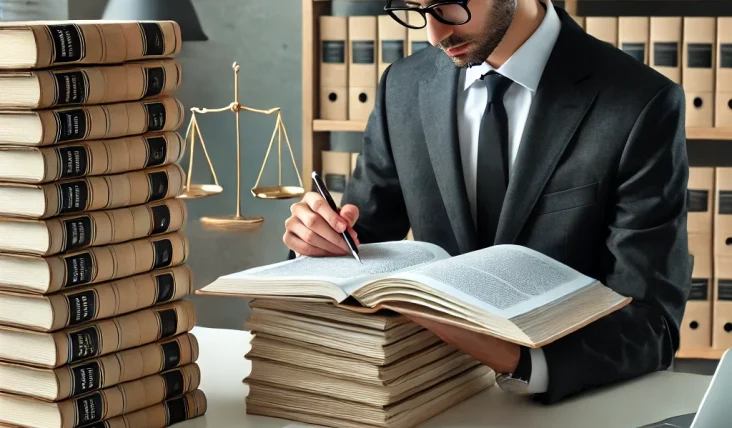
x=474, y=41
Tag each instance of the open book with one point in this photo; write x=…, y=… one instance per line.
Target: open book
x=507, y=291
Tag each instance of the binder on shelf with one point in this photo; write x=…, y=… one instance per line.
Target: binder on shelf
x=699, y=40
x=604, y=28
x=696, y=326
x=362, y=69
x=333, y=68
x=336, y=172
x=723, y=78
x=665, y=52
x=392, y=41
x=354, y=161
x=633, y=36
x=416, y=39
x=580, y=20
x=722, y=328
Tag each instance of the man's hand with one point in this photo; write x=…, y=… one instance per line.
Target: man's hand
x=314, y=229
x=501, y=356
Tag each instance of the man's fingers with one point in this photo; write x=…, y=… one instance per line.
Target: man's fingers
x=321, y=207
x=314, y=222
x=312, y=238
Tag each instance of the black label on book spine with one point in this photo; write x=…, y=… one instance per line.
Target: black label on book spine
x=68, y=43
x=418, y=46
x=78, y=233
x=85, y=378
x=174, y=384
x=725, y=55
x=168, y=322
x=363, y=52
x=161, y=218
x=152, y=39
x=89, y=409
x=177, y=410
x=171, y=355
x=155, y=81
x=155, y=116
x=163, y=253
x=165, y=286
x=157, y=151
x=334, y=51
x=73, y=161
x=699, y=55
x=78, y=269
x=636, y=50
x=72, y=87
x=392, y=50
x=72, y=197
x=70, y=125
x=666, y=54
x=158, y=185
x=724, y=290
x=697, y=200
x=83, y=344
x=335, y=182
x=725, y=202
x=699, y=289
x=82, y=307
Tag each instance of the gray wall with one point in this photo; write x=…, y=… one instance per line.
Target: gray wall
x=264, y=37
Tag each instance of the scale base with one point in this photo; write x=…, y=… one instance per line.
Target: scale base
x=200, y=191
x=232, y=222
x=278, y=192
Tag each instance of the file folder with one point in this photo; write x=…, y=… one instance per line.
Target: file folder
x=665, y=52
x=333, y=68
x=336, y=172
x=392, y=41
x=634, y=36
x=723, y=82
x=696, y=326
x=604, y=28
x=417, y=39
x=722, y=329
x=699, y=35
x=362, y=69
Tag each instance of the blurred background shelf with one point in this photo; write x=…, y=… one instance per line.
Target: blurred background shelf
x=700, y=354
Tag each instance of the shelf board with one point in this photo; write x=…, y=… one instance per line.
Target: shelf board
x=320, y=125
x=700, y=353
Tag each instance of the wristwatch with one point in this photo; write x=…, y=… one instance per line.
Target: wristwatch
x=518, y=381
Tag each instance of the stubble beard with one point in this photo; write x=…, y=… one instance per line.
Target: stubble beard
x=497, y=24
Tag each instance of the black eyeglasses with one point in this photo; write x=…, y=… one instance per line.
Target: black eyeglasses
x=411, y=15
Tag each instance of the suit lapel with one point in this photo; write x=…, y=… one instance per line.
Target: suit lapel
x=437, y=99
x=562, y=99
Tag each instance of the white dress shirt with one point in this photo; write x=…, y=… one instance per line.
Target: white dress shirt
x=525, y=68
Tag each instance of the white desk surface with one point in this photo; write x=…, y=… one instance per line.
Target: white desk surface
x=649, y=399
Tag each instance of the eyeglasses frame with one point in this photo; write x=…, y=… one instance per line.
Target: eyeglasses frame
x=428, y=9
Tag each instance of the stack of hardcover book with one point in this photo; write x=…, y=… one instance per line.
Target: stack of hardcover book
x=93, y=322
x=320, y=364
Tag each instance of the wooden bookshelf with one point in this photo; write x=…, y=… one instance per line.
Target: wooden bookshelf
x=701, y=353
x=338, y=126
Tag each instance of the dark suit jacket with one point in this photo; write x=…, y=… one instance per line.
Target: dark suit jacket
x=599, y=184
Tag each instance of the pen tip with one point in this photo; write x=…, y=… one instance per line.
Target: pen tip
x=357, y=258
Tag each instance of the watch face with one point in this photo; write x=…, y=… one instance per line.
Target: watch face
x=512, y=385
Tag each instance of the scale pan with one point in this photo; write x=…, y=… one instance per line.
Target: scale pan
x=201, y=191
x=278, y=192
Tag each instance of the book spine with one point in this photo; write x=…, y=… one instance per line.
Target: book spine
x=105, y=263
x=124, y=332
x=130, y=396
x=98, y=228
x=113, y=156
x=106, y=192
x=97, y=122
x=114, y=298
x=125, y=366
x=107, y=84
x=161, y=415
x=69, y=43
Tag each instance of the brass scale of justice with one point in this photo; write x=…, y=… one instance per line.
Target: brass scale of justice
x=194, y=191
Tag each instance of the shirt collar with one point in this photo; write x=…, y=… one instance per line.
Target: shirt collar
x=526, y=65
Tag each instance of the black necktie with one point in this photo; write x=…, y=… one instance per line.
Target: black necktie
x=492, y=173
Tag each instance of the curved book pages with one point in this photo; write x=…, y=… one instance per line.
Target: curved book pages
x=507, y=291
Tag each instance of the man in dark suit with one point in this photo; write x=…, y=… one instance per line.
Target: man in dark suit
x=518, y=127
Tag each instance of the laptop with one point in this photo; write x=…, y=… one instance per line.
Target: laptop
x=715, y=409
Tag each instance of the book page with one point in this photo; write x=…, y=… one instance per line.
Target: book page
x=379, y=260
x=506, y=280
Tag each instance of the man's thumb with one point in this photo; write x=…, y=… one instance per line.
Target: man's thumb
x=349, y=213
